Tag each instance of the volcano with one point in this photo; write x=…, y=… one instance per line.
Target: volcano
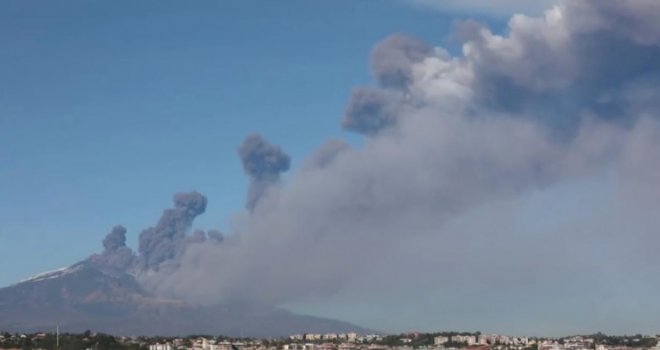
x=90, y=296
x=103, y=294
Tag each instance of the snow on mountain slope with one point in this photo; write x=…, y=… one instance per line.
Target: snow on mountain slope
x=49, y=274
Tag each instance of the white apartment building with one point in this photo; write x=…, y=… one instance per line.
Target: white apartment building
x=467, y=339
x=440, y=340
x=166, y=346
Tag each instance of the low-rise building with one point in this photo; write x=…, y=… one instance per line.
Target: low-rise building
x=465, y=339
x=440, y=340
x=166, y=346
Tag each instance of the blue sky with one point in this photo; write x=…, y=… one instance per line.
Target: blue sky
x=108, y=108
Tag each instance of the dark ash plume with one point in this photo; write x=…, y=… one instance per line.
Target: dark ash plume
x=116, y=254
x=263, y=162
x=579, y=56
x=391, y=60
x=371, y=110
x=115, y=239
x=468, y=132
x=164, y=241
x=326, y=154
x=215, y=236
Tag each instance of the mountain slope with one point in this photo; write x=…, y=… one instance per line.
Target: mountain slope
x=89, y=296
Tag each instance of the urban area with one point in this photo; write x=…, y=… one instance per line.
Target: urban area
x=332, y=341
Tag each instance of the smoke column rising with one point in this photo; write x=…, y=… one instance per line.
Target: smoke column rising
x=115, y=255
x=560, y=98
x=164, y=241
x=263, y=163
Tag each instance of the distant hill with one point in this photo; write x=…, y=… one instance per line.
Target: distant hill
x=88, y=296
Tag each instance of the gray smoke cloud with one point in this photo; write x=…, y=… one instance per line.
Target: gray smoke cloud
x=201, y=236
x=392, y=60
x=574, y=59
x=459, y=148
x=198, y=236
x=165, y=241
x=326, y=154
x=116, y=255
x=215, y=236
x=115, y=239
x=372, y=109
x=263, y=163
x=161, y=246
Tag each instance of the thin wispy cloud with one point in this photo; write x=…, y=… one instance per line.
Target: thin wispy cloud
x=492, y=7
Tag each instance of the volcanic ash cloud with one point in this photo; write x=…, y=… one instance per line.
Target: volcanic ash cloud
x=566, y=96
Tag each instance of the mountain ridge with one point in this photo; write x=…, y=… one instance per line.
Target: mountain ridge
x=89, y=296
